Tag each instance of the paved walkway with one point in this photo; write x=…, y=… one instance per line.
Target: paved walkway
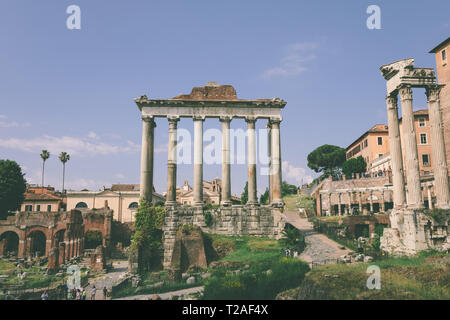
x=119, y=270
x=164, y=296
x=318, y=246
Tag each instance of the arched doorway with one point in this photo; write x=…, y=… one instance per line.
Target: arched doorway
x=81, y=205
x=93, y=239
x=10, y=241
x=38, y=243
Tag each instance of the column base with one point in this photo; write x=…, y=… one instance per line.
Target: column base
x=252, y=203
x=415, y=206
x=198, y=204
x=277, y=203
x=171, y=203
x=226, y=203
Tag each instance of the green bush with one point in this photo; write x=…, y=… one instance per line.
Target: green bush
x=209, y=219
x=256, y=283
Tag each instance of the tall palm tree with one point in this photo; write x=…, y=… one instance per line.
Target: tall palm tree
x=44, y=155
x=64, y=157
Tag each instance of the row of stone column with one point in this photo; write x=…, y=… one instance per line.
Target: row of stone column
x=147, y=161
x=360, y=204
x=414, y=194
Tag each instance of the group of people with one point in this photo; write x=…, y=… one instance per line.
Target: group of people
x=291, y=253
x=78, y=294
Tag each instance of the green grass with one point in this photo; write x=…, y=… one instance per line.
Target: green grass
x=291, y=202
x=425, y=276
x=252, y=250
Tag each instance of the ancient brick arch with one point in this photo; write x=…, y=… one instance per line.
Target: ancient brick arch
x=63, y=231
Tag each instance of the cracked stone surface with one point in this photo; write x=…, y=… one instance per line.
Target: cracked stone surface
x=319, y=248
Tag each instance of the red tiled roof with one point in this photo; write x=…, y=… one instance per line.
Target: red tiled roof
x=41, y=197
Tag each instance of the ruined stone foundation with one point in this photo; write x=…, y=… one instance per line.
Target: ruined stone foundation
x=236, y=220
x=413, y=231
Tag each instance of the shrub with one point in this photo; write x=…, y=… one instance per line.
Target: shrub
x=209, y=219
x=256, y=284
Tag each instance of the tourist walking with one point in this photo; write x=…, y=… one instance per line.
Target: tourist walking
x=78, y=295
x=44, y=296
x=93, y=292
x=83, y=294
x=105, y=291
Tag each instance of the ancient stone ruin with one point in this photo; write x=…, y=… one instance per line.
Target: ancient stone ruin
x=58, y=236
x=214, y=101
x=412, y=230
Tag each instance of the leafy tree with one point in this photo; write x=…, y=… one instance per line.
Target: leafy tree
x=287, y=188
x=264, y=197
x=354, y=165
x=159, y=203
x=44, y=155
x=120, y=232
x=64, y=157
x=326, y=158
x=244, y=195
x=147, y=239
x=12, y=187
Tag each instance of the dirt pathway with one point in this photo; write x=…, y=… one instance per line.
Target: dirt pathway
x=164, y=296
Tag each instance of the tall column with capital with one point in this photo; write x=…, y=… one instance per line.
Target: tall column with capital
x=171, y=197
x=226, y=178
x=412, y=160
x=146, y=183
x=276, y=162
x=430, y=199
x=360, y=208
x=198, y=160
x=438, y=148
x=371, y=201
x=269, y=150
x=339, y=204
x=251, y=158
x=395, y=151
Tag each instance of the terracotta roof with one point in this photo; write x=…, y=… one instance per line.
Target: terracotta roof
x=378, y=128
x=125, y=187
x=30, y=196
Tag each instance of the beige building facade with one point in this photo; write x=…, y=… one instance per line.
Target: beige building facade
x=123, y=199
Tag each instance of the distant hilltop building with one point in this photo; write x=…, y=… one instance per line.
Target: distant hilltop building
x=211, y=193
x=123, y=199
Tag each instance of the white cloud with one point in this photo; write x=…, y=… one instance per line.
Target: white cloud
x=295, y=175
x=294, y=61
x=119, y=176
x=93, y=135
x=71, y=145
x=11, y=124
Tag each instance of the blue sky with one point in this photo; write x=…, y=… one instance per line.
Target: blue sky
x=73, y=90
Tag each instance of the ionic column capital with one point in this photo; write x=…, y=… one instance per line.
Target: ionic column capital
x=198, y=118
x=405, y=92
x=149, y=119
x=432, y=92
x=173, y=119
x=225, y=119
x=275, y=121
x=250, y=119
